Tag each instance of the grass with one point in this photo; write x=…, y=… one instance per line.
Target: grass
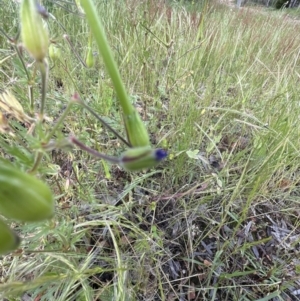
x=219, y=220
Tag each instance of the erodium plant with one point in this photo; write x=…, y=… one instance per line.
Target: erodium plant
x=23, y=197
x=140, y=155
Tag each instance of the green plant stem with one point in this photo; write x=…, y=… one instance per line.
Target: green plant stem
x=43, y=66
x=6, y=36
x=37, y=161
x=93, y=152
x=40, y=155
x=104, y=123
x=31, y=97
x=71, y=78
x=101, y=40
x=81, y=102
x=66, y=37
x=59, y=121
x=22, y=61
x=158, y=39
x=30, y=88
x=90, y=40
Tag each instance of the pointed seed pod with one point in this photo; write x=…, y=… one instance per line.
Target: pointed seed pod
x=54, y=52
x=136, y=159
x=33, y=32
x=136, y=131
x=22, y=196
x=9, y=240
x=89, y=58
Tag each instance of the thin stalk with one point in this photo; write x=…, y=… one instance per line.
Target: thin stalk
x=22, y=61
x=43, y=66
x=40, y=155
x=59, y=24
x=6, y=36
x=78, y=100
x=104, y=123
x=59, y=121
x=65, y=67
x=93, y=152
x=37, y=161
x=155, y=36
x=30, y=88
x=31, y=99
x=90, y=39
x=66, y=37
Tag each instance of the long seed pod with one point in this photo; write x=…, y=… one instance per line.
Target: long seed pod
x=140, y=158
x=54, y=52
x=136, y=131
x=9, y=240
x=89, y=61
x=33, y=32
x=22, y=196
x=137, y=134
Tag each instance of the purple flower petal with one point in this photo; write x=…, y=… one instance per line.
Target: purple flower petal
x=160, y=154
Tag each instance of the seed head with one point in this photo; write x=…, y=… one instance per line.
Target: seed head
x=139, y=158
x=33, y=31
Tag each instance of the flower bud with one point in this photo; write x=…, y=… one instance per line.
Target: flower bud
x=136, y=131
x=136, y=159
x=89, y=58
x=54, y=52
x=9, y=240
x=33, y=32
x=22, y=196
